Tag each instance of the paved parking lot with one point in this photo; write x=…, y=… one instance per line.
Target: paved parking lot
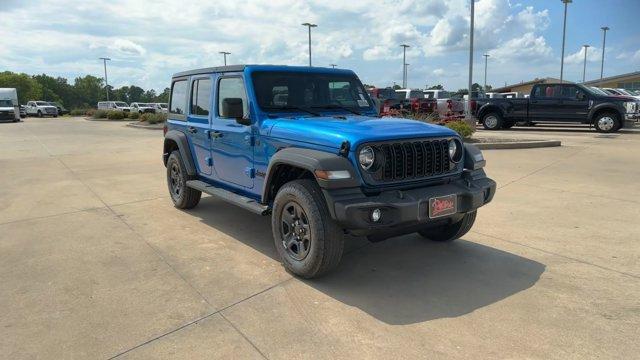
x=95, y=262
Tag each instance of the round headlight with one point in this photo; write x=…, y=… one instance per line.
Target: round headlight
x=455, y=150
x=366, y=157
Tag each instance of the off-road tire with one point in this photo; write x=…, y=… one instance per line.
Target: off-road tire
x=185, y=197
x=602, y=127
x=491, y=124
x=325, y=237
x=450, y=232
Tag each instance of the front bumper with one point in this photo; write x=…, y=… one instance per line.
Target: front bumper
x=631, y=119
x=402, y=209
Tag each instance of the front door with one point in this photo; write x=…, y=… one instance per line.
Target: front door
x=198, y=126
x=575, y=104
x=231, y=142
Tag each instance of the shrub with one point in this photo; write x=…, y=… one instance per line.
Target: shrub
x=115, y=115
x=100, y=114
x=77, y=112
x=461, y=127
x=134, y=115
x=151, y=118
x=89, y=112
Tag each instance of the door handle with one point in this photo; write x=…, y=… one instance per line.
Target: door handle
x=216, y=134
x=192, y=130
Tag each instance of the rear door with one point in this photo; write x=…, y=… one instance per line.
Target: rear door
x=198, y=122
x=231, y=142
x=545, y=103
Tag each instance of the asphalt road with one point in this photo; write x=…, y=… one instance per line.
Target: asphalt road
x=96, y=263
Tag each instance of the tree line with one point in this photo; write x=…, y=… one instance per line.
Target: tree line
x=84, y=93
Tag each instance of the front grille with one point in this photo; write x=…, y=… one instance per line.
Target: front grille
x=50, y=110
x=412, y=160
x=5, y=115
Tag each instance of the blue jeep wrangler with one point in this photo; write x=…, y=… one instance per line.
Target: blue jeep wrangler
x=306, y=146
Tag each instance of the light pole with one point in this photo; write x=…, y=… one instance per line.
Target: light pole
x=224, y=54
x=404, y=65
x=333, y=65
x=486, y=56
x=564, y=30
x=604, y=40
x=471, y=57
x=106, y=81
x=406, y=71
x=584, y=68
x=309, y=25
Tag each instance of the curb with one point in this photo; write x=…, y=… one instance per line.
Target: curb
x=530, y=144
x=148, y=127
x=111, y=120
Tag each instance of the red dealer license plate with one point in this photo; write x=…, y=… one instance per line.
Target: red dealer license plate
x=442, y=206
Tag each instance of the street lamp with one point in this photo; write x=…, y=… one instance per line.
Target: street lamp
x=404, y=65
x=564, y=30
x=406, y=71
x=604, y=40
x=486, y=56
x=309, y=25
x=333, y=65
x=471, y=57
x=106, y=81
x=584, y=68
x=224, y=54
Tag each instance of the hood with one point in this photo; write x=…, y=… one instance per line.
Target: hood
x=619, y=98
x=332, y=132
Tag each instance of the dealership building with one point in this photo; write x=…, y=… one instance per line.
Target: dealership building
x=629, y=81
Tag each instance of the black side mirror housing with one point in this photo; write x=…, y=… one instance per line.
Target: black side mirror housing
x=233, y=108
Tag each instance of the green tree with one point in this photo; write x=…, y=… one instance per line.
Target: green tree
x=435, y=87
x=164, y=96
x=28, y=89
x=135, y=93
x=90, y=90
x=149, y=96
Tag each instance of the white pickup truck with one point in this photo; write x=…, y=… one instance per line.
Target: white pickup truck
x=446, y=106
x=9, y=108
x=41, y=108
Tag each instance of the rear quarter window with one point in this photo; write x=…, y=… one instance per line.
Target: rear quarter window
x=178, y=101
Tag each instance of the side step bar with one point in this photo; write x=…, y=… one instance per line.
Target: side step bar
x=239, y=200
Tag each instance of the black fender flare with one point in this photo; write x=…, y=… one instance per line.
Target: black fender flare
x=487, y=108
x=608, y=106
x=310, y=160
x=183, y=146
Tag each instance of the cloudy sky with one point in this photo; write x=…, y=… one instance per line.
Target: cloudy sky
x=150, y=40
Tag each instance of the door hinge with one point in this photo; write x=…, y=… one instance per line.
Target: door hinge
x=250, y=172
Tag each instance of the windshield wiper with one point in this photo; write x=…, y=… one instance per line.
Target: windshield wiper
x=336, y=106
x=291, y=107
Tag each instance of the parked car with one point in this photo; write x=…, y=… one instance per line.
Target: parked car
x=113, y=105
x=321, y=164
x=23, y=111
x=626, y=92
x=561, y=103
x=385, y=99
x=512, y=95
x=446, y=105
x=161, y=107
x=41, y=108
x=61, y=109
x=414, y=101
x=9, y=108
x=142, y=107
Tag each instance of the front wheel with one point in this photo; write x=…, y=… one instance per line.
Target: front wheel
x=450, y=232
x=39, y=113
x=607, y=122
x=308, y=240
x=492, y=121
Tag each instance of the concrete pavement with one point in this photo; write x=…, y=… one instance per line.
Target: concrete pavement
x=96, y=263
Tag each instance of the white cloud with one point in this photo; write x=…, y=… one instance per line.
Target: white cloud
x=528, y=47
x=593, y=54
x=438, y=72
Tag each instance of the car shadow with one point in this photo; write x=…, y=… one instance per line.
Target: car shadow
x=403, y=280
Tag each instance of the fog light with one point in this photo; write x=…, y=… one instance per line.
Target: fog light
x=376, y=214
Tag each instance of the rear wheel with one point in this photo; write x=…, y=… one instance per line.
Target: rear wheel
x=492, y=121
x=607, y=122
x=450, y=232
x=183, y=197
x=308, y=240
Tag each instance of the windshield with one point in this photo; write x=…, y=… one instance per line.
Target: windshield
x=292, y=91
x=42, y=103
x=142, y=105
x=6, y=103
x=121, y=104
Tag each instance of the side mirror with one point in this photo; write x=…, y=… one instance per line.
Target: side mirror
x=232, y=108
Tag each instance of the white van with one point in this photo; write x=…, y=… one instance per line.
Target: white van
x=9, y=107
x=113, y=105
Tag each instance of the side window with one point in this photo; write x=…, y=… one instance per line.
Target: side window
x=548, y=91
x=201, y=97
x=232, y=87
x=178, y=97
x=571, y=92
